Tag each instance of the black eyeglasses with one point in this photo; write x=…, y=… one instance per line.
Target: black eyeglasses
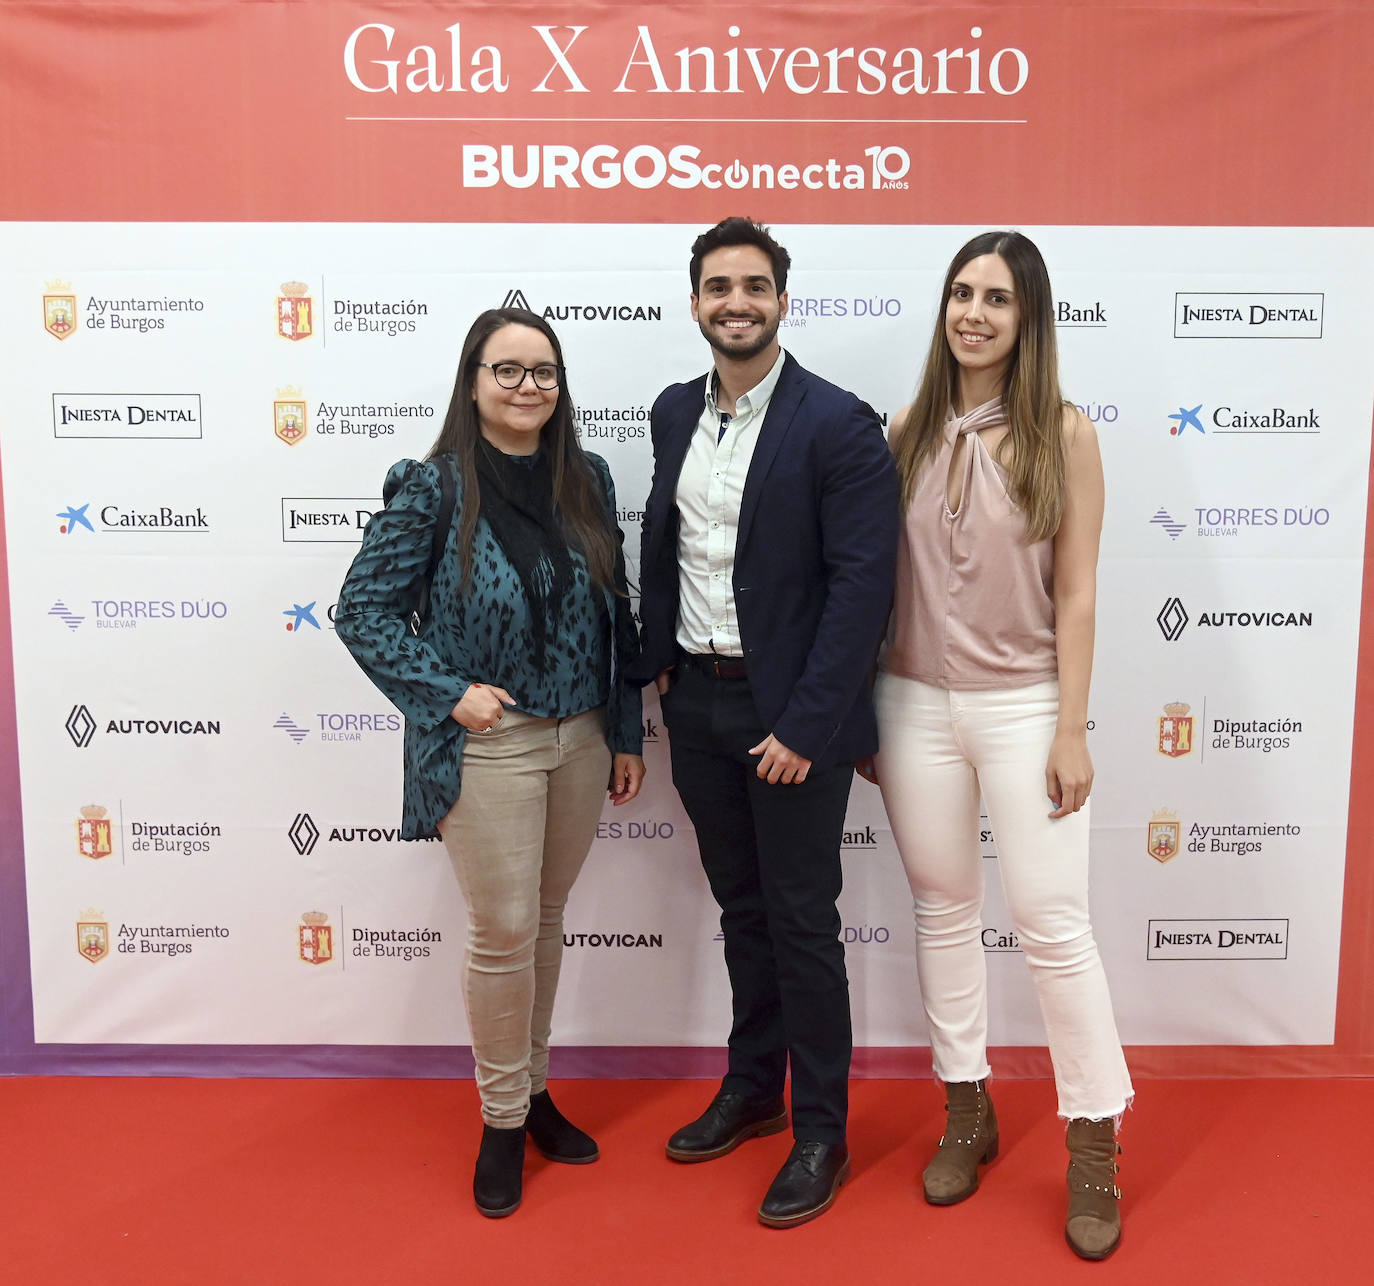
x=547, y=375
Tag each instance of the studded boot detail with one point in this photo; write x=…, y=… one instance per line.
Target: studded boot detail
x=970, y=1140
x=1093, y=1227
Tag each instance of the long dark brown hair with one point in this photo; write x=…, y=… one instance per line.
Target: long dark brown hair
x=1033, y=450
x=577, y=498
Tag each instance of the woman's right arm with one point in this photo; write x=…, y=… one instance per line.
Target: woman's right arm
x=381, y=591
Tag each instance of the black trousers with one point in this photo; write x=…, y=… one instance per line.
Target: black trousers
x=772, y=857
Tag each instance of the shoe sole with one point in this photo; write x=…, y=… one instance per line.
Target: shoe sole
x=791, y=1221
x=758, y=1130
x=498, y=1212
x=565, y=1160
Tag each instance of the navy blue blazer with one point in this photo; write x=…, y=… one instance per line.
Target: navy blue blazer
x=815, y=559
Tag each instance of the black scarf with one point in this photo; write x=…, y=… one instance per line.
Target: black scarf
x=517, y=502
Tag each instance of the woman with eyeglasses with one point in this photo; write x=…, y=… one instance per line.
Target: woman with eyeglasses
x=517, y=715
x=984, y=688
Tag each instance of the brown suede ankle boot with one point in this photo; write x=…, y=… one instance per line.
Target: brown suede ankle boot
x=1093, y=1227
x=970, y=1140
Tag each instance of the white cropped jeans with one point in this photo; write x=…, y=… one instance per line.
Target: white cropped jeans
x=525, y=818
x=939, y=749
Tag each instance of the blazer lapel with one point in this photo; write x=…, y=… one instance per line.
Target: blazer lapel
x=777, y=420
x=673, y=452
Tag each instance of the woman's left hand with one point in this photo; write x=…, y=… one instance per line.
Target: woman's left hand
x=627, y=776
x=1069, y=773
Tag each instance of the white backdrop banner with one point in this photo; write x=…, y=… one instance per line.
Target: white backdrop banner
x=198, y=418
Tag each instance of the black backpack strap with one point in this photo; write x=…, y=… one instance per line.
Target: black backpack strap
x=443, y=520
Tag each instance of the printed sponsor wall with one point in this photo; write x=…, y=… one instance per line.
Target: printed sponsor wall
x=207, y=385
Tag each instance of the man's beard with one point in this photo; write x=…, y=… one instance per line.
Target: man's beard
x=737, y=352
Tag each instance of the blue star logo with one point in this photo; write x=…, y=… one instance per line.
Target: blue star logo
x=74, y=517
x=301, y=616
x=1186, y=419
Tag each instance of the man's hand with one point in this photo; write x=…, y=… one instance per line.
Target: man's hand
x=780, y=764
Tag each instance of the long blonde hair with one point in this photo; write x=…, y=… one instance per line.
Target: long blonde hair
x=1033, y=449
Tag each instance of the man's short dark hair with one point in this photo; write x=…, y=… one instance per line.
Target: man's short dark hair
x=740, y=231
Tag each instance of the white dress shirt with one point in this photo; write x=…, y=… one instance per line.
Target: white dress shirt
x=709, y=492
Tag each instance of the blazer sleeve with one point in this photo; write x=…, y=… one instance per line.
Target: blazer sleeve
x=624, y=706
x=859, y=529
x=380, y=593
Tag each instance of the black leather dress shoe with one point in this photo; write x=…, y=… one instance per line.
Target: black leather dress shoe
x=806, y=1185
x=728, y=1122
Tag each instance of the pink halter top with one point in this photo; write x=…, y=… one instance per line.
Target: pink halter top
x=974, y=605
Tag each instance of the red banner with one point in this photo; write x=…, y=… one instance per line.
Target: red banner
x=603, y=112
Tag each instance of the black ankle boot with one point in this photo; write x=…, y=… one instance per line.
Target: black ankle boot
x=500, y=1161
x=555, y=1136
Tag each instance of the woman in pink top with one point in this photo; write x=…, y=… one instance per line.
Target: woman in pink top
x=984, y=689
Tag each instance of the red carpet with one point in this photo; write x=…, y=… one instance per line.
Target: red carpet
x=110, y=1181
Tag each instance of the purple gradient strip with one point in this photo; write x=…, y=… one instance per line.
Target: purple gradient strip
x=16, y=992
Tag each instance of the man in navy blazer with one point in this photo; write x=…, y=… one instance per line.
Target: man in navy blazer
x=769, y=550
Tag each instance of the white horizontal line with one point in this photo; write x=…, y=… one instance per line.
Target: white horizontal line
x=684, y=120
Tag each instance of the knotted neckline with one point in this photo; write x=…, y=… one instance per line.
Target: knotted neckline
x=986, y=416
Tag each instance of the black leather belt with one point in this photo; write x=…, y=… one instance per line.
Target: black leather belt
x=715, y=667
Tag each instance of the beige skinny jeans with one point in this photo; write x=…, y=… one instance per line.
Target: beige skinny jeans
x=531, y=798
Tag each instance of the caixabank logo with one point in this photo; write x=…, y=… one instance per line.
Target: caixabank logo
x=1238, y=419
x=82, y=727
x=122, y=519
x=301, y=616
x=1173, y=619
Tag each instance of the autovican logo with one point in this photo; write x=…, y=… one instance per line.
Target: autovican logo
x=622, y=311
x=1253, y=315
x=1173, y=618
